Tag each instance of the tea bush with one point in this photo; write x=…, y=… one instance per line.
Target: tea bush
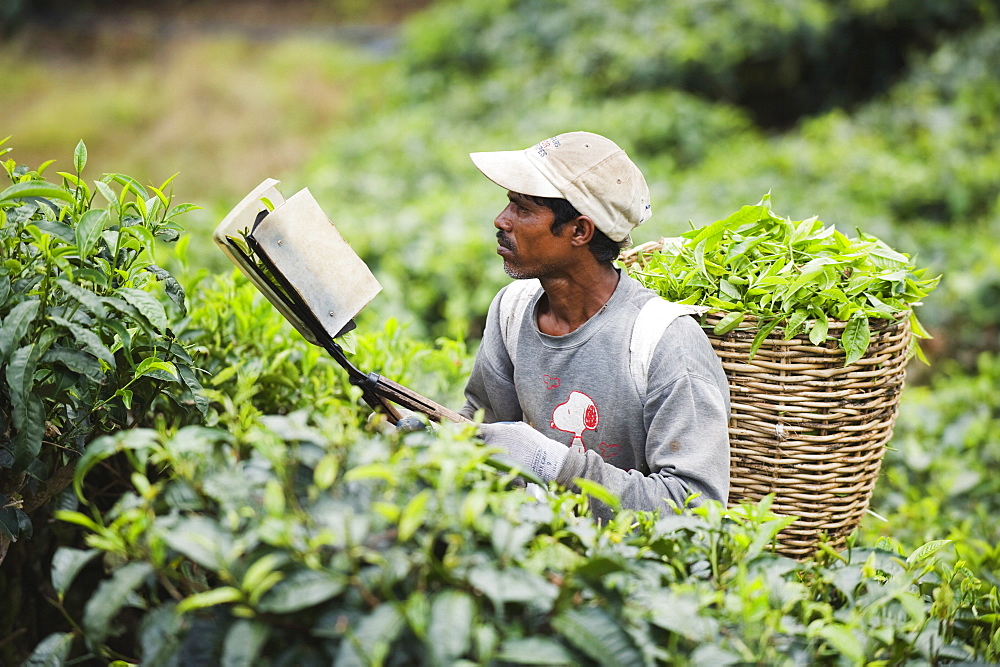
x=309, y=542
x=86, y=346
x=776, y=58
x=940, y=466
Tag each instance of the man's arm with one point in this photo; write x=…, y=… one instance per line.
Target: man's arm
x=491, y=384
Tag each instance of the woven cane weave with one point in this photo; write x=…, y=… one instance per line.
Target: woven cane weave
x=808, y=429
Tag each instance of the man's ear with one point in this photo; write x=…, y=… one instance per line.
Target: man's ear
x=582, y=230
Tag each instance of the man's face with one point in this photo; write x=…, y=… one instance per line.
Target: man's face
x=525, y=239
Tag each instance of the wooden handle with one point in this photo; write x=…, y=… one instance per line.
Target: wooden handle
x=411, y=400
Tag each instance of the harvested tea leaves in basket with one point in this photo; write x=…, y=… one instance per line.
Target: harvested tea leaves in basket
x=792, y=276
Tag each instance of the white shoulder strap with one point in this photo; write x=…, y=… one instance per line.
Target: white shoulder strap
x=513, y=306
x=653, y=319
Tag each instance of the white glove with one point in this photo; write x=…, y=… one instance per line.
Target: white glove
x=408, y=421
x=527, y=447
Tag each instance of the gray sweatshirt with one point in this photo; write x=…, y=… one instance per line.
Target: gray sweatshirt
x=578, y=389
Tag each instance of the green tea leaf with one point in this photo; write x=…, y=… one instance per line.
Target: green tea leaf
x=76, y=181
x=349, y=342
x=450, y=630
x=244, y=642
x=56, y=229
x=373, y=634
x=761, y=336
x=708, y=237
x=817, y=335
x=20, y=376
x=53, y=651
x=769, y=281
x=375, y=470
x=925, y=551
x=85, y=297
x=87, y=339
x=917, y=328
x=887, y=257
x=29, y=422
x=512, y=585
x=883, y=309
x=412, y=516
x=182, y=208
x=843, y=641
x=150, y=364
x=36, y=189
x=802, y=231
x=728, y=323
x=148, y=305
x=742, y=248
x=15, y=326
x=598, y=635
x=108, y=194
x=88, y=230
x=699, y=259
x=835, y=294
x=855, y=339
x=110, y=597
x=126, y=396
x=300, y=590
x=729, y=291
x=66, y=564
x=164, y=200
x=202, y=540
x=211, y=598
x=681, y=614
x=171, y=286
x=325, y=473
x=75, y=360
x=538, y=650
x=795, y=322
x=80, y=156
x=260, y=571
x=129, y=183
x=77, y=519
x=809, y=273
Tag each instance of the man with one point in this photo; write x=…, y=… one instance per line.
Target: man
x=561, y=383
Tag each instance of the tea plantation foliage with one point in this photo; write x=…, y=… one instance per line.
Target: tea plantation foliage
x=183, y=478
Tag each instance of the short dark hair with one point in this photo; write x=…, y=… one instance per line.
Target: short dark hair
x=603, y=248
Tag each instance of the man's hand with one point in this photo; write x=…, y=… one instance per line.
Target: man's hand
x=409, y=421
x=527, y=447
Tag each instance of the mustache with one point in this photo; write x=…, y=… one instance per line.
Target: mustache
x=504, y=241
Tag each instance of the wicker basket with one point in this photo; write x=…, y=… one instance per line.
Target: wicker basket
x=805, y=427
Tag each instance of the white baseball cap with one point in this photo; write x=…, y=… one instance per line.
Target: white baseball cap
x=586, y=169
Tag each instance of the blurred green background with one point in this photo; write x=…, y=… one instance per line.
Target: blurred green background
x=881, y=115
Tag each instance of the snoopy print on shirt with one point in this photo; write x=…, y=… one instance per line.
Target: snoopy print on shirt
x=577, y=415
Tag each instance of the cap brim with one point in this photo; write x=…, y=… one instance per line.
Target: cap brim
x=512, y=170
